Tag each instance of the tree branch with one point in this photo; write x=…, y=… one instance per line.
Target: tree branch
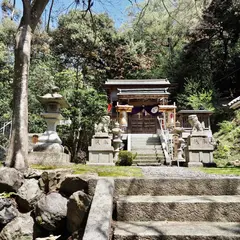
x=49, y=15
x=142, y=13
x=26, y=12
x=170, y=15
x=37, y=8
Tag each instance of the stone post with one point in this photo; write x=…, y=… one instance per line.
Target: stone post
x=117, y=134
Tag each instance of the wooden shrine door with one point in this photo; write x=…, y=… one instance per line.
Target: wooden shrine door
x=142, y=122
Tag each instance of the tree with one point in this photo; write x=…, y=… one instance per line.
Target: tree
x=162, y=28
x=90, y=45
x=18, y=149
x=87, y=108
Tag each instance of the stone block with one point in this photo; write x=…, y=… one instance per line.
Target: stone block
x=100, y=215
x=101, y=151
x=49, y=158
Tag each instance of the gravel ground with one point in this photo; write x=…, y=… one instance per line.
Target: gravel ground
x=179, y=172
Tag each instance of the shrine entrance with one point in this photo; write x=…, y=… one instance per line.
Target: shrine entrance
x=142, y=122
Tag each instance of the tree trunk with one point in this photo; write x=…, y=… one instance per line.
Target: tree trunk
x=18, y=149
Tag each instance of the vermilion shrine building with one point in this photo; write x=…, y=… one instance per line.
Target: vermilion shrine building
x=137, y=104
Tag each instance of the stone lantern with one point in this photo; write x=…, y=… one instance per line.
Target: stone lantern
x=117, y=134
x=52, y=103
x=179, y=143
x=49, y=142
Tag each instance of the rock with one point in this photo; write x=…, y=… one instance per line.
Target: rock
x=236, y=163
x=73, y=183
x=10, y=179
x=51, y=212
x=8, y=210
x=32, y=173
x=21, y=228
x=28, y=194
x=77, y=211
x=51, y=180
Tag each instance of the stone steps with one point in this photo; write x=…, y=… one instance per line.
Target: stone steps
x=177, y=209
x=177, y=231
x=177, y=186
x=225, y=208
x=148, y=149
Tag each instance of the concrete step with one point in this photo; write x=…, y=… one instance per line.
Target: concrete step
x=156, y=159
x=142, y=135
x=149, y=141
x=177, y=186
x=136, y=148
x=146, y=146
x=146, y=140
x=179, y=208
x=177, y=231
x=145, y=164
x=147, y=151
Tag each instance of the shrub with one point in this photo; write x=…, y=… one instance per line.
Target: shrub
x=125, y=158
x=222, y=152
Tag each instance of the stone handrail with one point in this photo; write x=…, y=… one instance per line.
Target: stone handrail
x=165, y=142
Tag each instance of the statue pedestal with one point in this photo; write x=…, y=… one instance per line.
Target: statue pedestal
x=101, y=151
x=199, y=150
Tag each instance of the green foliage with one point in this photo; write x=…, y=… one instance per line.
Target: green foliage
x=7, y=195
x=223, y=152
x=201, y=100
x=87, y=108
x=3, y=141
x=228, y=138
x=125, y=158
x=222, y=170
x=103, y=171
x=197, y=94
x=226, y=127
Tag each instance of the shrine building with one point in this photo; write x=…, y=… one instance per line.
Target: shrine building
x=138, y=104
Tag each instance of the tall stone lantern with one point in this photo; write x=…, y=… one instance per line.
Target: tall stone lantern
x=49, y=142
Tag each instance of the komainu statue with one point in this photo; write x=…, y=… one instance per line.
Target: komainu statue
x=196, y=125
x=102, y=127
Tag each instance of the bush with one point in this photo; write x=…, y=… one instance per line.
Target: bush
x=125, y=158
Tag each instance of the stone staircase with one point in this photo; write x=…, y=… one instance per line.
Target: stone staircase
x=177, y=209
x=148, y=148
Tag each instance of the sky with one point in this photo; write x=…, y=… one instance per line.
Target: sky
x=116, y=9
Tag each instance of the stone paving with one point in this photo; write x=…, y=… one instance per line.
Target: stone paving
x=178, y=172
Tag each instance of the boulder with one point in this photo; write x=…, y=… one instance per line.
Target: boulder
x=51, y=212
x=8, y=210
x=28, y=194
x=21, y=228
x=73, y=183
x=77, y=210
x=10, y=179
x=50, y=181
x=33, y=173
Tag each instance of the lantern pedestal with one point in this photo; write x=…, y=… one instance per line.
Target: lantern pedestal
x=48, y=150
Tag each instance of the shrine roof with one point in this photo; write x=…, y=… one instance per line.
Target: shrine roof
x=137, y=82
x=235, y=103
x=143, y=91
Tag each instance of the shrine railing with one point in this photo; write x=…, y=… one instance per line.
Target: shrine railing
x=166, y=141
x=6, y=128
